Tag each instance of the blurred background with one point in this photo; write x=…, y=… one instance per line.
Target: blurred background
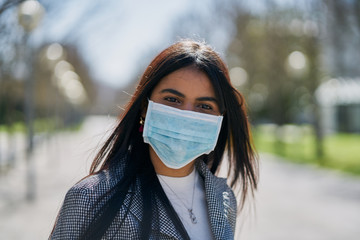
x=67, y=68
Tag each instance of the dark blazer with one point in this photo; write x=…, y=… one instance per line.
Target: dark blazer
x=78, y=208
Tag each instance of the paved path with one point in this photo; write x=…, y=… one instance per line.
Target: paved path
x=294, y=202
x=60, y=163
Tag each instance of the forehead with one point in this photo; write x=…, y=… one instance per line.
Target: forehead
x=190, y=81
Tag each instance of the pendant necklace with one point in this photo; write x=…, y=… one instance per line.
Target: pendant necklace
x=190, y=210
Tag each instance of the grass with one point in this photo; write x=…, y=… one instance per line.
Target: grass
x=41, y=126
x=16, y=127
x=298, y=144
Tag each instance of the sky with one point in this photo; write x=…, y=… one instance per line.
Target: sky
x=113, y=37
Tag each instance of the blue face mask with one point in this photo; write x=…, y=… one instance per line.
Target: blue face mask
x=179, y=136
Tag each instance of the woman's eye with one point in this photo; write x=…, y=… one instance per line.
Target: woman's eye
x=205, y=107
x=171, y=99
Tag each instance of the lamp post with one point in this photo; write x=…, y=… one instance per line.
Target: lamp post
x=30, y=13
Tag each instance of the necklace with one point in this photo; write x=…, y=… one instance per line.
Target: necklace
x=190, y=210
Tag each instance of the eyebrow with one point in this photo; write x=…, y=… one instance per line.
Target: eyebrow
x=173, y=91
x=211, y=99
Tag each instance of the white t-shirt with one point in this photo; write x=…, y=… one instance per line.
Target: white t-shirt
x=184, y=188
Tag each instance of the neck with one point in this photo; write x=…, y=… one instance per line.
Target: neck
x=162, y=169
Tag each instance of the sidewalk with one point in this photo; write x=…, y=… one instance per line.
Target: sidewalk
x=293, y=202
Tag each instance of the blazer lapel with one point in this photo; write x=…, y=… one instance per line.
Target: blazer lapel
x=216, y=200
x=166, y=226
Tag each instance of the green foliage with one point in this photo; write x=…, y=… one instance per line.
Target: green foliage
x=297, y=144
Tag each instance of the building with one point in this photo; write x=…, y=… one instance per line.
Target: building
x=339, y=101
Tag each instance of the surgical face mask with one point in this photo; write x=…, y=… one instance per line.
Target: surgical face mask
x=180, y=136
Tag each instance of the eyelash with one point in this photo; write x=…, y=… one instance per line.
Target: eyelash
x=203, y=106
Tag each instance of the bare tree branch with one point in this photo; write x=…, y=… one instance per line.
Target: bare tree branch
x=8, y=4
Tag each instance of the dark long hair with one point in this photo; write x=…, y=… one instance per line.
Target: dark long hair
x=126, y=140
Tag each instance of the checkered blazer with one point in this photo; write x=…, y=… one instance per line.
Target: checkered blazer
x=79, y=204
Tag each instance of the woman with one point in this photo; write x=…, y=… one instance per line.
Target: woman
x=154, y=176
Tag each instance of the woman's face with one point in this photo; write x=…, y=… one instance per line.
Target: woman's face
x=187, y=89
